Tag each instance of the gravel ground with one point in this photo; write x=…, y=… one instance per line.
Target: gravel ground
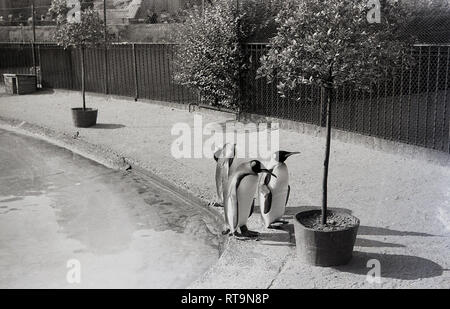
x=402, y=199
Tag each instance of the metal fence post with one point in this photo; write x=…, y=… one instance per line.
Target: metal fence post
x=446, y=112
x=40, y=66
x=106, y=48
x=33, y=42
x=136, y=88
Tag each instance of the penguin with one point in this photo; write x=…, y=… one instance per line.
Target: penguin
x=274, y=192
x=239, y=199
x=224, y=158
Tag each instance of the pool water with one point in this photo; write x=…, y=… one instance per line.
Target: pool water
x=68, y=222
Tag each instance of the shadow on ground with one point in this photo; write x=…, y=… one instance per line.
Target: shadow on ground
x=394, y=266
x=108, y=126
x=42, y=91
x=370, y=230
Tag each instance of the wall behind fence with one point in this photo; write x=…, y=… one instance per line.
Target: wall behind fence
x=412, y=107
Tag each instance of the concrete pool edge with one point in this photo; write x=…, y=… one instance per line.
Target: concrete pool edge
x=110, y=159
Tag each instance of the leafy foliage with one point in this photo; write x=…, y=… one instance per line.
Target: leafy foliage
x=89, y=32
x=210, y=58
x=333, y=42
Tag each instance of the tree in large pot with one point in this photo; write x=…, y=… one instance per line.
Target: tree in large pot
x=78, y=26
x=332, y=43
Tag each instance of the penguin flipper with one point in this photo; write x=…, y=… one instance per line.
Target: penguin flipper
x=219, y=184
x=224, y=179
x=267, y=201
x=267, y=178
x=235, y=200
x=252, y=209
x=234, y=203
x=288, y=193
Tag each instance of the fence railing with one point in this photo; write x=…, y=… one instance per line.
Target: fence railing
x=412, y=107
x=136, y=70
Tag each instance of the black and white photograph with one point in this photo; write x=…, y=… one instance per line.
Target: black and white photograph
x=224, y=149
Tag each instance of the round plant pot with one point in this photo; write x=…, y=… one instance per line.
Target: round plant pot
x=325, y=247
x=84, y=118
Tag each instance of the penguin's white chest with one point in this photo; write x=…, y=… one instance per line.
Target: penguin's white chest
x=245, y=194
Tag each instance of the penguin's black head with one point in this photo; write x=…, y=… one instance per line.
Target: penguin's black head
x=281, y=156
x=217, y=154
x=222, y=153
x=258, y=167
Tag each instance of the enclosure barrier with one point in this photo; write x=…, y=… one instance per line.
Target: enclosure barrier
x=411, y=107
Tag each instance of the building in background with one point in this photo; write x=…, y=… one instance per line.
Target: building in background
x=19, y=11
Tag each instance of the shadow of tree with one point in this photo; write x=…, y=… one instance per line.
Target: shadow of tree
x=361, y=242
x=371, y=230
x=404, y=267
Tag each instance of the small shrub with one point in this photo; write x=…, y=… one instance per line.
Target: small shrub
x=210, y=58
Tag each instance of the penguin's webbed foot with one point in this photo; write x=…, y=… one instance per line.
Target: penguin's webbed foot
x=281, y=221
x=243, y=236
x=247, y=233
x=274, y=227
x=250, y=234
x=226, y=232
x=216, y=204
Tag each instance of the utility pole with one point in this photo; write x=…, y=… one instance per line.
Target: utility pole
x=106, y=48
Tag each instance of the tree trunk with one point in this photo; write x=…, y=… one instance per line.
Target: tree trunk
x=329, y=96
x=83, y=82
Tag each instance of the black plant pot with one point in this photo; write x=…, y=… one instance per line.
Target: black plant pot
x=324, y=248
x=84, y=118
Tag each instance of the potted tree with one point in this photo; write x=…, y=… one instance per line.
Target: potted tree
x=78, y=27
x=333, y=43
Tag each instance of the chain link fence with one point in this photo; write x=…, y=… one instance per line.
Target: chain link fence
x=411, y=107
x=135, y=70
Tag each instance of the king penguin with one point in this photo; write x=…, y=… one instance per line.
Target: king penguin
x=274, y=192
x=239, y=200
x=224, y=158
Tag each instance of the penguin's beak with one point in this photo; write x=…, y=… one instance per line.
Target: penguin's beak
x=263, y=170
x=292, y=154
